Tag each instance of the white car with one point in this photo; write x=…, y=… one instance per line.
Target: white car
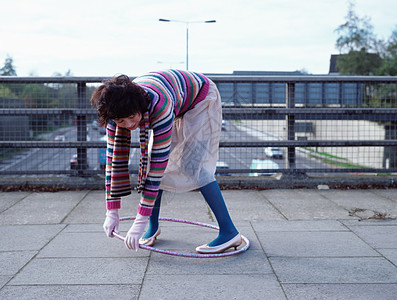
x=273, y=152
x=94, y=125
x=221, y=165
x=223, y=125
x=60, y=138
x=260, y=163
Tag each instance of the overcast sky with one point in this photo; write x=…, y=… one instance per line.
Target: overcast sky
x=105, y=38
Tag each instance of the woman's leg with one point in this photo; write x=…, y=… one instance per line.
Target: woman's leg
x=227, y=230
x=154, y=218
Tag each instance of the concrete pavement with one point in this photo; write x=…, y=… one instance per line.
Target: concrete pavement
x=305, y=244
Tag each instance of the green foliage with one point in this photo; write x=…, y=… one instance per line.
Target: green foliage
x=8, y=68
x=361, y=52
x=358, y=63
x=380, y=95
x=389, y=65
x=6, y=92
x=356, y=33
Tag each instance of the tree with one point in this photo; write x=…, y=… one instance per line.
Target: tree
x=8, y=69
x=389, y=65
x=359, y=63
x=357, y=45
x=356, y=33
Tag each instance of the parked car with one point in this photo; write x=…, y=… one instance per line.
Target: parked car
x=273, y=152
x=221, y=165
x=73, y=162
x=260, y=163
x=94, y=125
x=223, y=125
x=60, y=138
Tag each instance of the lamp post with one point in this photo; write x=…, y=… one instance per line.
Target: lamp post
x=187, y=34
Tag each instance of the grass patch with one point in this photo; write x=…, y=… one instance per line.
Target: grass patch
x=339, y=164
x=8, y=152
x=325, y=154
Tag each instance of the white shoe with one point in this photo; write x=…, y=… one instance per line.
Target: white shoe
x=234, y=242
x=150, y=241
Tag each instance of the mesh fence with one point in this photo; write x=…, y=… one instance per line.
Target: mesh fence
x=270, y=125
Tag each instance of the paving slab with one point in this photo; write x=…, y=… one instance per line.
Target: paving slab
x=3, y=281
x=341, y=291
x=42, y=208
x=76, y=228
x=317, y=225
x=250, y=262
x=87, y=244
x=236, y=286
x=377, y=236
x=390, y=194
x=188, y=206
x=390, y=254
x=304, y=245
x=370, y=222
x=314, y=244
x=304, y=205
x=334, y=270
x=357, y=200
x=70, y=271
x=91, y=209
x=28, y=237
x=75, y=292
x=11, y=262
x=9, y=199
x=250, y=205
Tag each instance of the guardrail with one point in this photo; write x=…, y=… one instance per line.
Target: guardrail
x=326, y=124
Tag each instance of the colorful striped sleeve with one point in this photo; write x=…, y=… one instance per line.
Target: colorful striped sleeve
x=111, y=202
x=117, y=180
x=162, y=133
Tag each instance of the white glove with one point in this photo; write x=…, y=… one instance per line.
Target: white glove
x=136, y=231
x=111, y=222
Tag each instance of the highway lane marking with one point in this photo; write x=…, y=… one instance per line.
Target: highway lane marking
x=236, y=158
x=26, y=156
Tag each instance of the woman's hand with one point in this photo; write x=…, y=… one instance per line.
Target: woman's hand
x=111, y=222
x=136, y=231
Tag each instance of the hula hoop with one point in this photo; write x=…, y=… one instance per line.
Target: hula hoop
x=193, y=255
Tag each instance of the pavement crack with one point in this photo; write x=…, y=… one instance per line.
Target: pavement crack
x=77, y=204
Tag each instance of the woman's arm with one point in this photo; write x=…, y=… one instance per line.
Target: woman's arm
x=117, y=179
x=162, y=134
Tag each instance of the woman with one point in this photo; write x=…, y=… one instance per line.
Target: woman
x=184, y=111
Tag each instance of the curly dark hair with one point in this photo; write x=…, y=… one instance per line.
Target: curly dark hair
x=119, y=97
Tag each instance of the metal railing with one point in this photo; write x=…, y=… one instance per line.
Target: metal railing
x=321, y=124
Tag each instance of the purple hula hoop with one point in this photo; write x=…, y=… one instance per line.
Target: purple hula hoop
x=194, y=255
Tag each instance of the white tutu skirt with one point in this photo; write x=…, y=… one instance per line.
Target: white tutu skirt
x=195, y=146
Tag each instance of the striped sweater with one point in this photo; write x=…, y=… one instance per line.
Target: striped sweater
x=173, y=92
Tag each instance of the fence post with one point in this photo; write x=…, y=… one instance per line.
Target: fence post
x=290, y=158
x=81, y=128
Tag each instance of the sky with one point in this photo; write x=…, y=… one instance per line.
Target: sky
x=107, y=38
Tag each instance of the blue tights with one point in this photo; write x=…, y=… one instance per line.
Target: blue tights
x=213, y=196
x=154, y=218
x=215, y=201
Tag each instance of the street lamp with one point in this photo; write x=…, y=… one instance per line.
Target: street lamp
x=187, y=34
